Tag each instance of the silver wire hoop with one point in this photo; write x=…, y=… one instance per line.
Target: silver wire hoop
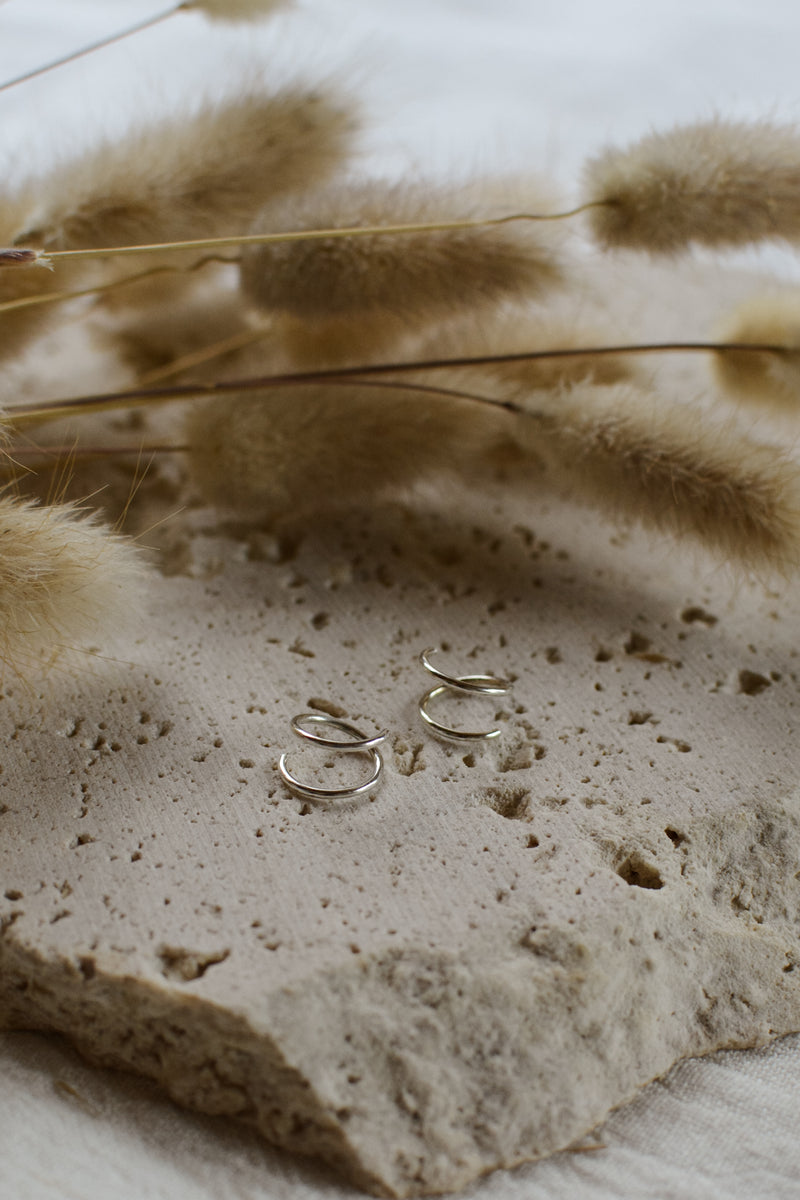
x=475, y=685
x=358, y=742
x=357, y=739
x=445, y=731
x=482, y=685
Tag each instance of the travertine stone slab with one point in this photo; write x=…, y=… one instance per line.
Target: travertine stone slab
x=471, y=968
x=475, y=965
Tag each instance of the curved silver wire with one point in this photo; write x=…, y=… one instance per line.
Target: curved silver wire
x=483, y=685
x=358, y=742
x=475, y=685
x=445, y=731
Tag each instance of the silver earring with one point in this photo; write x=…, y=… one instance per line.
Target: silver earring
x=473, y=685
x=357, y=743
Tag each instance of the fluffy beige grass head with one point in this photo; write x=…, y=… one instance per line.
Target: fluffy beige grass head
x=236, y=10
x=718, y=183
x=404, y=279
x=296, y=451
x=64, y=581
x=192, y=176
x=766, y=378
x=627, y=452
x=534, y=330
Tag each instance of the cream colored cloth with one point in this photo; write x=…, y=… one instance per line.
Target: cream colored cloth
x=721, y=1128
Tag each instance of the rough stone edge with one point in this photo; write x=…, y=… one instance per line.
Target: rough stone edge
x=205, y=1058
x=452, y=1051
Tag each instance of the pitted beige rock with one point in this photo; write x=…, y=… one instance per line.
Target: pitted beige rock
x=472, y=967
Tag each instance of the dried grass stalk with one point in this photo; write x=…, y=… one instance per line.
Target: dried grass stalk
x=236, y=10
x=64, y=580
x=623, y=450
x=367, y=292
x=301, y=450
x=520, y=332
x=718, y=183
x=203, y=175
x=765, y=377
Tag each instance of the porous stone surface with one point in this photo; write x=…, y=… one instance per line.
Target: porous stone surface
x=470, y=968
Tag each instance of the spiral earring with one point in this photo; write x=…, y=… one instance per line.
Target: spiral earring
x=473, y=685
x=357, y=743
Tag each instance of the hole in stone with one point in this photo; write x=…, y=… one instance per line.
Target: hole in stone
x=83, y=839
x=676, y=838
x=553, y=654
x=603, y=655
x=695, y=615
x=637, y=643
x=636, y=717
x=532, y=841
x=86, y=966
x=511, y=803
x=639, y=873
x=326, y=706
x=752, y=684
x=185, y=965
x=13, y=894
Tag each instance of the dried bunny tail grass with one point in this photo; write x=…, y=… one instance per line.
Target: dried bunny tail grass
x=622, y=449
x=203, y=175
x=21, y=326
x=296, y=451
x=154, y=337
x=719, y=183
x=402, y=279
x=766, y=377
x=63, y=579
x=340, y=342
x=532, y=331
x=235, y=10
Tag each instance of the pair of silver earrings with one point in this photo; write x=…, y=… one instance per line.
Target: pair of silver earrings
x=359, y=743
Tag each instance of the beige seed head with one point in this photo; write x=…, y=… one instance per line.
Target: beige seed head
x=295, y=451
x=763, y=378
x=666, y=466
x=236, y=10
x=718, y=183
x=64, y=580
x=402, y=280
x=534, y=330
x=193, y=176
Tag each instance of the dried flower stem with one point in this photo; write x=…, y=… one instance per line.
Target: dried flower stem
x=102, y=288
x=25, y=414
x=108, y=41
x=53, y=456
x=46, y=258
x=34, y=414
x=237, y=341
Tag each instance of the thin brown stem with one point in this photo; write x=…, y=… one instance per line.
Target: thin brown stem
x=25, y=414
x=100, y=288
x=236, y=341
x=53, y=456
x=47, y=257
x=108, y=41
